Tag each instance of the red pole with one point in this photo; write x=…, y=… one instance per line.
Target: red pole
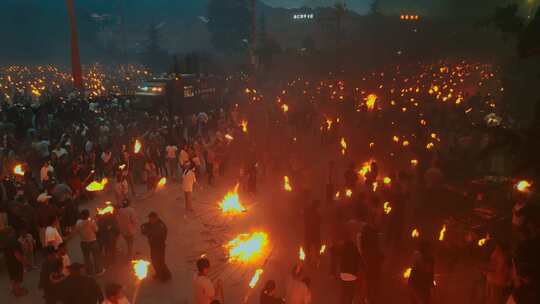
x=76, y=70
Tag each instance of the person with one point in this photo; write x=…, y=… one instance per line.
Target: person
x=150, y=170
x=188, y=181
x=107, y=237
x=172, y=166
x=52, y=236
x=183, y=158
x=204, y=291
x=268, y=294
x=87, y=229
x=28, y=246
x=66, y=260
x=422, y=273
x=126, y=219
x=51, y=271
x=348, y=265
x=14, y=258
x=312, y=231
x=297, y=290
x=78, y=288
x=114, y=294
x=156, y=232
x=498, y=275
x=45, y=212
x=121, y=187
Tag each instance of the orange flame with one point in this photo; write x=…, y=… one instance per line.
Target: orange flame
x=329, y=123
x=162, y=182
x=523, y=186
x=287, y=184
x=483, y=241
x=97, y=186
x=231, y=202
x=374, y=186
x=366, y=168
x=140, y=268
x=407, y=273
x=414, y=162
x=137, y=146
x=244, y=125
x=343, y=144
x=387, y=180
x=255, y=278
x=285, y=108
x=441, y=233
x=18, y=170
x=370, y=101
x=247, y=247
x=229, y=137
x=415, y=233
x=348, y=192
x=322, y=250
x=387, y=208
x=301, y=254
x=109, y=209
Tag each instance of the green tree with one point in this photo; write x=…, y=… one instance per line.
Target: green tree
x=228, y=24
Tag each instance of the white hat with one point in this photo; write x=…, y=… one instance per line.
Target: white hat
x=43, y=197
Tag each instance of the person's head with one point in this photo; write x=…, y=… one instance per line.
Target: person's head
x=125, y=203
x=62, y=249
x=203, y=266
x=114, y=292
x=23, y=232
x=54, y=222
x=153, y=217
x=85, y=214
x=269, y=287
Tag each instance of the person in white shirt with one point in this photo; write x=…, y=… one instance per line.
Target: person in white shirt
x=66, y=261
x=188, y=181
x=52, y=236
x=204, y=291
x=172, y=166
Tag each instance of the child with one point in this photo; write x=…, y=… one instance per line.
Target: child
x=66, y=261
x=28, y=244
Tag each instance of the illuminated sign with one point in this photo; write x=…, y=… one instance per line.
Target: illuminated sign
x=303, y=16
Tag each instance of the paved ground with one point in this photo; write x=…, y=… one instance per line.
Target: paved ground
x=273, y=211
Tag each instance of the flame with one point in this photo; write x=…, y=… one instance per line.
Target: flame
x=244, y=125
x=285, y=108
x=374, y=186
x=366, y=168
x=395, y=138
x=247, y=247
x=430, y=145
x=387, y=180
x=231, y=202
x=442, y=232
x=348, y=192
x=329, y=123
x=343, y=144
x=301, y=254
x=162, y=182
x=97, y=186
x=523, y=186
x=483, y=241
x=122, y=166
x=18, y=170
x=137, y=146
x=322, y=250
x=140, y=268
x=407, y=273
x=405, y=143
x=415, y=233
x=387, y=208
x=414, y=162
x=370, y=101
x=338, y=194
x=104, y=211
x=255, y=278
x=286, y=184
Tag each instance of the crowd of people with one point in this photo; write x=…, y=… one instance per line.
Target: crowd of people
x=391, y=160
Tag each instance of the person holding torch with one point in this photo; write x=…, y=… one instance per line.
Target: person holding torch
x=156, y=232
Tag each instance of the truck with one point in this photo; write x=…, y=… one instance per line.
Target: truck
x=181, y=94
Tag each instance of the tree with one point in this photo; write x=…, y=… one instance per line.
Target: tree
x=228, y=24
x=506, y=19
